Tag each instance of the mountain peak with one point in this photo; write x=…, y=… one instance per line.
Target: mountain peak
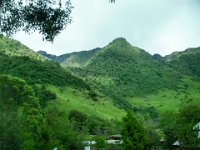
x=120, y=40
x=121, y=45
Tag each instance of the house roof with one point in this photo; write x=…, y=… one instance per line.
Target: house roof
x=177, y=143
x=197, y=127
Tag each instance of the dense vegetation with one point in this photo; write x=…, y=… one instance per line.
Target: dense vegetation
x=133, y=133
x=187, y=61
x=52, y=108
x=32, y=104
x=31, y=129
x=34, y=71
x=120, y=70
x=15, y=48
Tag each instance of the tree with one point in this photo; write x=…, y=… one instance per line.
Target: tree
x=19, y=130
x=168, y=125
x=63, y=135
x=49, y=17
x=133, y=135
x=13, y=91
x=189, y=115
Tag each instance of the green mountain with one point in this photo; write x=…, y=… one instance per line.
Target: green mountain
x=51, y=107
x=128, y=75
x=121, y=70
x=72, y=92
x=134, y=79
x=187, y=61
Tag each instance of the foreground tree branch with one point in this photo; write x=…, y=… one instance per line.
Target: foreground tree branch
x=49, y=17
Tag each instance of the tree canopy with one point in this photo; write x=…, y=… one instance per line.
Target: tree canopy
x=133, y=134
x=49, y=17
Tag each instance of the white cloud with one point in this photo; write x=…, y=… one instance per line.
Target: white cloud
x=154, y=25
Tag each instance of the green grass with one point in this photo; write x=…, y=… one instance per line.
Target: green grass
x=170, y=100
x=69, y=99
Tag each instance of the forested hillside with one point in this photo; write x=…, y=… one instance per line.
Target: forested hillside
x=120, y=70
x=187, y=62
x=45, y=99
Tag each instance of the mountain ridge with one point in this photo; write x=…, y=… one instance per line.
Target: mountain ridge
x=128, y=71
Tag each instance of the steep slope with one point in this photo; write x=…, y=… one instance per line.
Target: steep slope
x=15, y=48
x=187, y=62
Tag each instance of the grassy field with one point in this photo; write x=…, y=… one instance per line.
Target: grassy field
x=170, y=100
x=166, y=100
x=69, y=99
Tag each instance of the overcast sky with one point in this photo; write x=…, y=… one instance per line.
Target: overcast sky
x=158, y=26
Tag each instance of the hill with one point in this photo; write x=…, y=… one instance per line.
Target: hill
x=137, y=80
x=34, y=71
x=121, y=70
x=72, y=93
x=12, y=47
x=187, y=62
x=56, y=94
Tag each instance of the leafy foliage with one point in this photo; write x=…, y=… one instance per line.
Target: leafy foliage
x=44, y=95
x=180, y=127
x=10, y=129
x=32, y=129
x=13, y=91
x=91, y=124
x=18, y=93
x=61, y=132
x=49, y=17
x=133, y=134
